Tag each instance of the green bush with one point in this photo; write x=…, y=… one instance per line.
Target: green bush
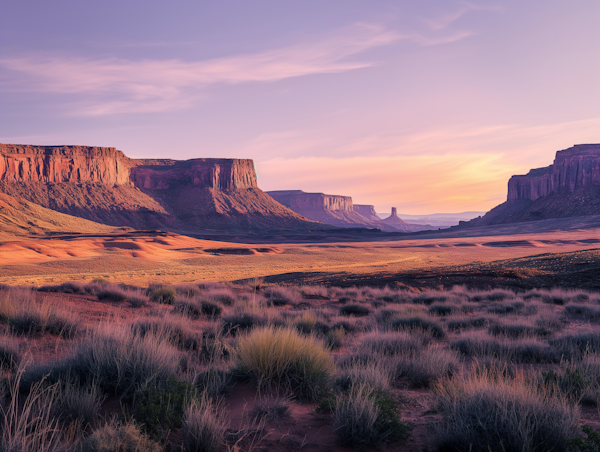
x=164, y=295
x=159, y=409
x=591, y=442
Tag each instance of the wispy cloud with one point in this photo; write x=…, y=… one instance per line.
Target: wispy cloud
x=118, y=86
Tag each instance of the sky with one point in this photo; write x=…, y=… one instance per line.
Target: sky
x=425, y=105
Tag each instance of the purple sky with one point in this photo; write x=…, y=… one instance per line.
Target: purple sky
x=425, y=105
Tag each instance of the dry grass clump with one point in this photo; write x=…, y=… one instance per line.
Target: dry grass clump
x=281, y=296
x=241, y=320
x=356, y=310
x=422, y=369
x=25, y=315
x=284, y=357
x=393, y=343
x=365, y=418
x=522, y=351
x=162, y=294
x=575, y=346
x=488, y=411
x=173, y=329
x=204, y=427
x=420, y=324
x=10, y=356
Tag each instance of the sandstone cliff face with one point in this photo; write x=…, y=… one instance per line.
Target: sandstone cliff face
x=220, y=174
x=570, y=187
x=74, y=164
x=103, y=185
x=573, y=168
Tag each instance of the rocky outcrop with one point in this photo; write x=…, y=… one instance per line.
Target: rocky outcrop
x=568, y=187
x=367, y=211
x=103, y=185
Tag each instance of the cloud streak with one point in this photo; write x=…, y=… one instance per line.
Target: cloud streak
x=162, y=85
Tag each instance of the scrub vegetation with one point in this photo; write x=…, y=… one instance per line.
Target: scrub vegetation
x=103, y=367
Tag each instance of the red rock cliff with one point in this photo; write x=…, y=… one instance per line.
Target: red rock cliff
x=23, y=163
x=220, y=174
x=79, y=164
x=573, y=168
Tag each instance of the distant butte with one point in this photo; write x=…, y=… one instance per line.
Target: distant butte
x=570, y=187
x=340, y=211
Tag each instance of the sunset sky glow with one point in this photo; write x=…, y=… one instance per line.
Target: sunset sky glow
x=429, y=106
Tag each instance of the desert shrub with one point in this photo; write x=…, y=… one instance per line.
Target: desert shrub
x=365, y=418
x=71, y=287
x=498, y=296
x=282, y=356
x=241, y=321
x=308, y=324
x=281, y=296
x=375, y=374
x=591, y=442
x=204, y=427
x=27, y=316
x=223, y=296
x=555, y=299
x=421, y=369
x=428, y=299
x=393, y=343
x=119, y=438
x=486, y=412
x=590, y=313
x=573, y=382
x=210, y=309
x=159, y=409
x=335, y=337
x=271, y=408
x=421, y=324
x=516, y=331
x=112, y=293
x=463, y=324
x=213, y=381
x=76, y=403
x=163, y=295
x=123, y=362
x=10, y=356
x=173, y=330
x=356, y=310
x=195, y=309
x=508, y=308
x=523, y=351
x=574, y=346
x=441, y=309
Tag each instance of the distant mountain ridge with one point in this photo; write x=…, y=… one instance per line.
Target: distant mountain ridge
x=103, y=185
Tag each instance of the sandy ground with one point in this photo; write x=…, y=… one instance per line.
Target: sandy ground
x=143, y=257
